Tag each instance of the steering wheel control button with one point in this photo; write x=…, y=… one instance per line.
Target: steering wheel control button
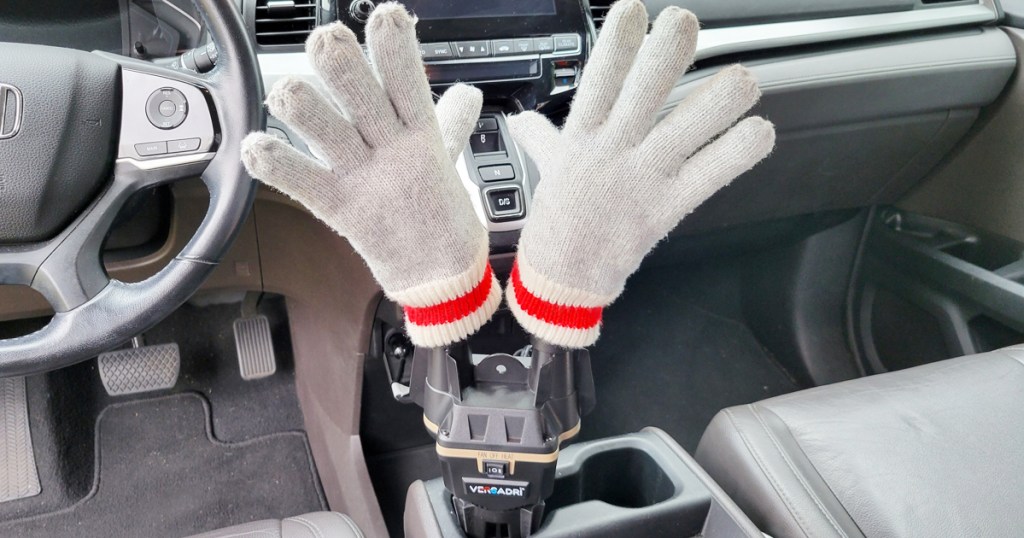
x=543, y=45
x=504, y=203
x=166, y=108
x=501, y=172
x=566, y=42
x=486, y=124
x=485, y=142
x=436, y=51
x=473, y=49
x=150, y=149
x=181, y=146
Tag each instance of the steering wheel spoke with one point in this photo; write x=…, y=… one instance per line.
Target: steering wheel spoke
x=167, y=134
x=167, y=115
x=173, y=125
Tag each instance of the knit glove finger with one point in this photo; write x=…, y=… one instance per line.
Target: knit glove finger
x=612, y=182
x=387, y=181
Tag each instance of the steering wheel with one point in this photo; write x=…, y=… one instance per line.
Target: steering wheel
x=80, y=133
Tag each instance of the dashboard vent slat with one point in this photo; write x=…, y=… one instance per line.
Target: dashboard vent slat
x=284, y=22
x=599, y=10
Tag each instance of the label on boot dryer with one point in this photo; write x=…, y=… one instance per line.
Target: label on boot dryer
x=497, y=488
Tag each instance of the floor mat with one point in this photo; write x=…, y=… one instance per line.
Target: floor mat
x=209, y=365
x=161, y=473
x=64, y=405
x=672, y=353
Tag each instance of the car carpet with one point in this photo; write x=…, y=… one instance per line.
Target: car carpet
x=674, y=351
x=162, y=473
x=64, y=405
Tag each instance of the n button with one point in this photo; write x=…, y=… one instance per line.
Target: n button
x=499, y=172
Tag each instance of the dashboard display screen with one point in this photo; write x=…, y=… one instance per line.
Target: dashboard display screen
x=475, y=9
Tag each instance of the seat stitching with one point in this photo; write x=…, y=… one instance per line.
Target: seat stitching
x=764, y=469
x=315, y=529
x=348, y=521
x=800, y=478
x=256, y=532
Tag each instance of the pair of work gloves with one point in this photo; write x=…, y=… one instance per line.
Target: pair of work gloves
x=613, y=181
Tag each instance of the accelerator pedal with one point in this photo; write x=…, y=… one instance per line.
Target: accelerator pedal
x=140, y=368
x=255, y=347
x=18, y=475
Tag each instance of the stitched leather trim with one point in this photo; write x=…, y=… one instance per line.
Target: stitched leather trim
x=351, y=524
x=799, y=476
x=313, y=528
x=767, y=473
x=793, y=454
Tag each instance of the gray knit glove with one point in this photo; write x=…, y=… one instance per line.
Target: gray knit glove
x=388, y=181
x=613, y=183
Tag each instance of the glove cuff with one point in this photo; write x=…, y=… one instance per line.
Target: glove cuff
x=554, y=313
x=440, y=313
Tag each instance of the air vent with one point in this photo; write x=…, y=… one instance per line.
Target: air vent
x=284, y=22
x=599, y=10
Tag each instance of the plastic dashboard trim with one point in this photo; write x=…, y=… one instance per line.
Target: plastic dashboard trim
x=720, y=41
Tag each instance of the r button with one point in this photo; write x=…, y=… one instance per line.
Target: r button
x=485, y=142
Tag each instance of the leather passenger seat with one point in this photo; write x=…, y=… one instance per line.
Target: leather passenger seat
x=313, y=525
x=936, y=450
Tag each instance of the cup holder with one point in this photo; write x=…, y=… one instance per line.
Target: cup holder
x=625, y=477
x=640, y=484
x=631, y=485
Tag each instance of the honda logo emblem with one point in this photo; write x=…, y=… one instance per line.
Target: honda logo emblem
x=10, y=111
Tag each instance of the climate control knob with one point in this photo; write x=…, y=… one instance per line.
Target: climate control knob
x=360, y=10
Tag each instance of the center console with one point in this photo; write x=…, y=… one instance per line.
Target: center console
x=641, y=484
x=528, y=51
x=503, y=425
x=524, y=55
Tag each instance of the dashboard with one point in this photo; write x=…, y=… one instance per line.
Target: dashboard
x=867, y=95
x=529, y=55
x=145, y=29
x=163, y=28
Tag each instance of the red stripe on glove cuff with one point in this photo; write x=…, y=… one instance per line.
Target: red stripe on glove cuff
x=454, y=309
x=573, y=317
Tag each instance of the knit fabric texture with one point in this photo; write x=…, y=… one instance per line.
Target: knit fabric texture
x=613, y=182
x=387, y=181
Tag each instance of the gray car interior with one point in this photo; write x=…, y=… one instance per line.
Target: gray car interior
x=829, y=346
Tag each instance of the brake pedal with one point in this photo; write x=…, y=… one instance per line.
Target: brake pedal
x=19, y=478
x=139, y=368
x=255, y=347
